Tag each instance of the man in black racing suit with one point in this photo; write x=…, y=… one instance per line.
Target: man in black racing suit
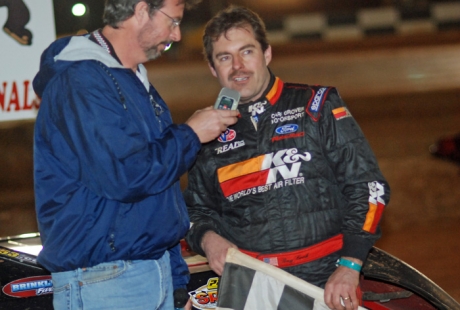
x=294, y=178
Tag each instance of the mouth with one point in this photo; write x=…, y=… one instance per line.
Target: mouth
x=240, y=79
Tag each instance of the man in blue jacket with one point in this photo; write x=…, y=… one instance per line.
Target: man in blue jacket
x=107, y=162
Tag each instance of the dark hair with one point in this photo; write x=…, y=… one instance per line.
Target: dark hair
x=117, y=11
x=232, y=17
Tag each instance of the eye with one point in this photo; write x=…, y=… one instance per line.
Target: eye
x=247, y=52
x=223, y=58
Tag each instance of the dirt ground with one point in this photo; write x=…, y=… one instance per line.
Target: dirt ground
x=421, y=223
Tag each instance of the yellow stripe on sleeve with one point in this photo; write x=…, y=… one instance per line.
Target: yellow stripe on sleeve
x=239, y=169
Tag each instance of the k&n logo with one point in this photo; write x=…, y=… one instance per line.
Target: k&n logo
x=261, y=170
x=279, y=163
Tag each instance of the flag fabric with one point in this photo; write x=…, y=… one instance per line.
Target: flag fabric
x=250, y=284
x=340, y=113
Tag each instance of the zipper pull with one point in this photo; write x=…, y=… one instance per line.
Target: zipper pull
x=156, y=106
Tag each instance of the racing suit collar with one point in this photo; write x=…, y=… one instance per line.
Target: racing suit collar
x=269, y=97
x=271, y=93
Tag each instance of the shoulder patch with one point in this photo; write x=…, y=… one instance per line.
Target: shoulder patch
x=340, y=113
x=316, y=101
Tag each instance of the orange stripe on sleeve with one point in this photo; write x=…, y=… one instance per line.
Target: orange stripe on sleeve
x=373, y=217
x=370, y=217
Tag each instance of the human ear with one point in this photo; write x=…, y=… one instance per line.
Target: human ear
x=141, y=11
x=268, y=55
x=213, y=71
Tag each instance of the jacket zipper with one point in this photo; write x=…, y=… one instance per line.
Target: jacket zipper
x=158, y=111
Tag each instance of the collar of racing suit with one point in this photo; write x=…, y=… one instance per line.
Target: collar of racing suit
x=271, y=94
x=259, y=106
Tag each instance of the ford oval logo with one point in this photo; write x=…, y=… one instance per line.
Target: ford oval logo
x=290, y=128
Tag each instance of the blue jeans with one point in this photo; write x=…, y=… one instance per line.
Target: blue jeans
x=130, y=285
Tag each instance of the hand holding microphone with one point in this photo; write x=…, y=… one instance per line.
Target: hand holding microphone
x=210, y=122
x=228, y=99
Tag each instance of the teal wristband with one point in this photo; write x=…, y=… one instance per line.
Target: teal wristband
x=349, y=264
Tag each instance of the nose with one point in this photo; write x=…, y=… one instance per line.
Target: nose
x=237, y=62
x=176, y=34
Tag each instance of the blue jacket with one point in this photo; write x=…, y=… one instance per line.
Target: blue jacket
x=107, y=162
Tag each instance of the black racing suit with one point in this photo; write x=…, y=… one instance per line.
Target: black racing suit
x=295, y=170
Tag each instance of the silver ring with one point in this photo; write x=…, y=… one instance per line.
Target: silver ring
x=346, y=298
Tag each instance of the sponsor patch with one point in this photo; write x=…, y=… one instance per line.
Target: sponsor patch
x=286, y=129
x=288, y=115
x=29, y=287
x=229, y=147
x=227, y=136
x=205, y=297
x=341, y=113
x=317, y=100
x=288, y=136
x=262, y=173
x=376, y=206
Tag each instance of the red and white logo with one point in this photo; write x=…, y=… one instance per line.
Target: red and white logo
x=261, y=171
x=227, y=136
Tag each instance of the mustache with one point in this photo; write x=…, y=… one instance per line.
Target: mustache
x=237, y=73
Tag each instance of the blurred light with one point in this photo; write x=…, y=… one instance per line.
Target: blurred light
x=78, y=9
x=29, y=249
x=29, y=235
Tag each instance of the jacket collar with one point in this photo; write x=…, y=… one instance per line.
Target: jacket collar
x=97, y=37
x=273, y=91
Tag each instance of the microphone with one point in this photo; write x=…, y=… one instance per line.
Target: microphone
x=228, y=99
